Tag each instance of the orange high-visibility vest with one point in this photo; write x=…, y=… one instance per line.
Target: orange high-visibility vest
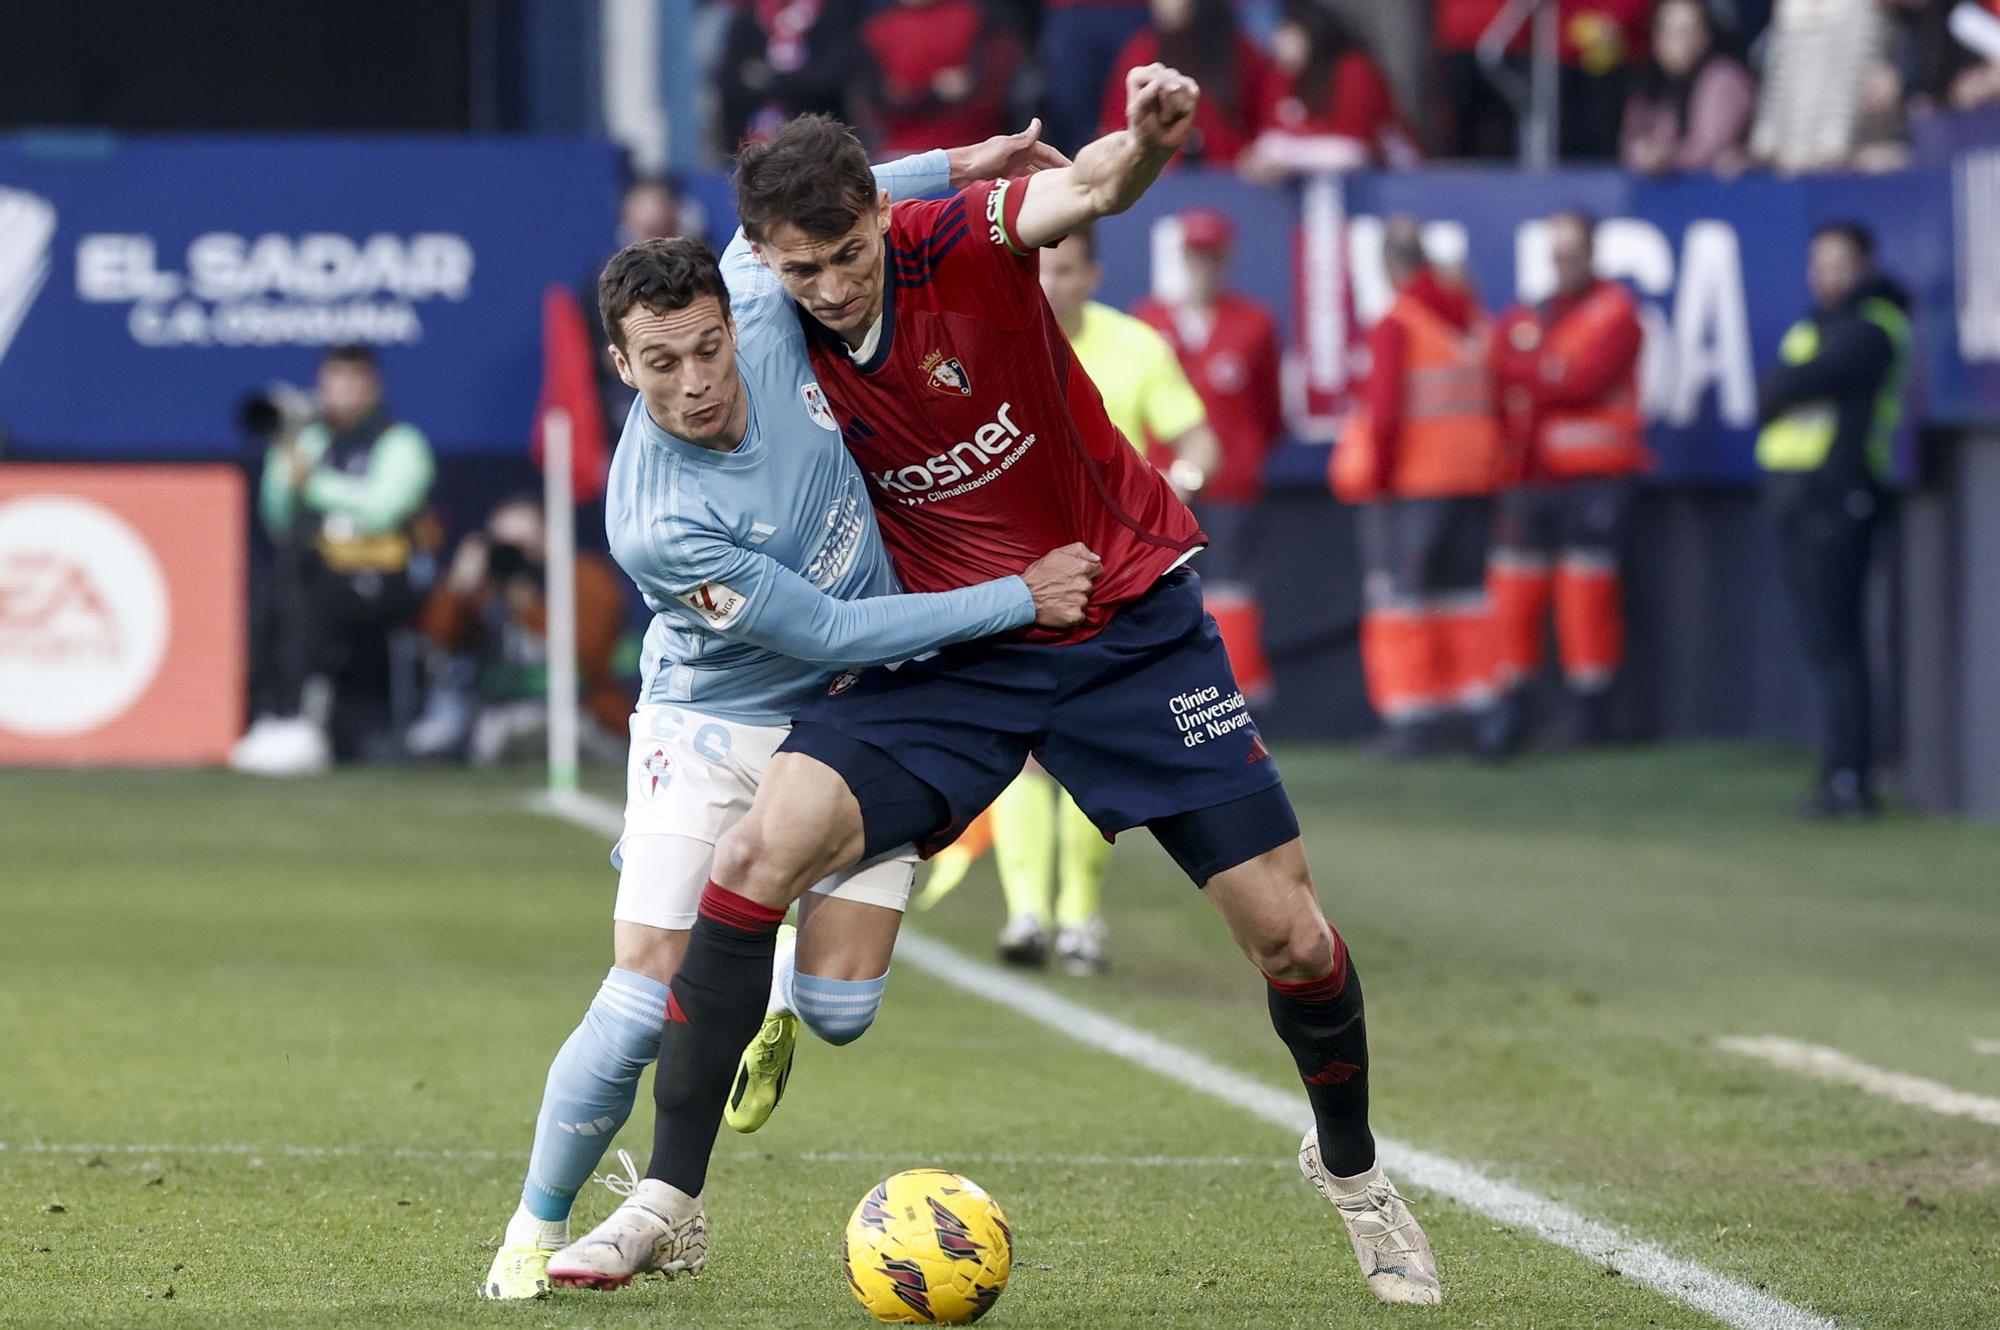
x=1607, y=438
x=1451, y=439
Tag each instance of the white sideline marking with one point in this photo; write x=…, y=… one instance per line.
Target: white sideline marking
x=1733, y=1303
x=1988, y=1046
x=1836, y=1068
x=1003, y=1159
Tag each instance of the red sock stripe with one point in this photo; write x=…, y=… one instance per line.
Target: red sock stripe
x=726, y=907
x=1325, y=988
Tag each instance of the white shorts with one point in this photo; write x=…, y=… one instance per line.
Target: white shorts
x=689, y=777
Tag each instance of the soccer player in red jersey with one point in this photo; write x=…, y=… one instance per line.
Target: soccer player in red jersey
x=985, y=444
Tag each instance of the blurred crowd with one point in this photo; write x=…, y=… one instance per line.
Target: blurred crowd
x=1290, y=85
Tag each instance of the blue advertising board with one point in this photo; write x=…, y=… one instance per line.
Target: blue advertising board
x=1718, y=267
x=147, y=284
x=1965, y=381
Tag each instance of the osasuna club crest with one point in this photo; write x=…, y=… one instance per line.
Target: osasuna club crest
x=817, y=406
x=947, y=375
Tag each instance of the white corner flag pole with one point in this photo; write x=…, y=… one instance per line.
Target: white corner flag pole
x=559, y=505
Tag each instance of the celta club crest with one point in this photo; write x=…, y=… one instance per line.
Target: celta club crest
x=660, y=768
x=817, y=406
x=954, y=1239
x=947, y=375
x=906, y=1278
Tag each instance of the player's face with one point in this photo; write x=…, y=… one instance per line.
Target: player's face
x=837, y=281
x=683, y=362
x=1069, y=277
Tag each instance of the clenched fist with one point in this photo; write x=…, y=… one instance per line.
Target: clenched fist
x=1159, y=105
x=1060, y=582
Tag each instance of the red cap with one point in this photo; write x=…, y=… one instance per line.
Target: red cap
x=1205, y=228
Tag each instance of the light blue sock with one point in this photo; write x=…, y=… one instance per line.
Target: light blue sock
x=590, y=1089
x=837, y=1010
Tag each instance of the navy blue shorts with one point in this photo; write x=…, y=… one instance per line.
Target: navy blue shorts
x=1142, y=723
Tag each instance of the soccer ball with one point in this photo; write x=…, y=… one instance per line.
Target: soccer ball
x=928, y=1247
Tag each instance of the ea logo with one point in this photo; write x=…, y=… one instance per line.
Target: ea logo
x=84, y=616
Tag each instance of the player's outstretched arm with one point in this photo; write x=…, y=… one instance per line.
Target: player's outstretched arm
x=1110, y=174
x=749, y=597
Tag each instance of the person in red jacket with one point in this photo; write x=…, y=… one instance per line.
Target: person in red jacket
x=1422, y=455
x=1228, y=344
x=939, y=72
x=1336, y=111
x=1568, y=372
x=1239, y=85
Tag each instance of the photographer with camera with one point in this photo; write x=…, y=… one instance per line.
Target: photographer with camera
x=342, y=501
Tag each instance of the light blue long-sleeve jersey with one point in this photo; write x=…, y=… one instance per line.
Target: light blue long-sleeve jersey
x=763, y=566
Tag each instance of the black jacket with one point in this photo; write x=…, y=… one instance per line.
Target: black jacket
x=1855, y=358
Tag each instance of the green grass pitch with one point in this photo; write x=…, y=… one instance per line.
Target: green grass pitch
x=270, y=1054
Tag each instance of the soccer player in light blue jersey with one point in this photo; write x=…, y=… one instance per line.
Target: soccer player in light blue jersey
x=736, y=508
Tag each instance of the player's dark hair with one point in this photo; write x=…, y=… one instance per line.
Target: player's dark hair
x=811, y=173
x=659, y=275
x=1853, y=232
x=351, y=353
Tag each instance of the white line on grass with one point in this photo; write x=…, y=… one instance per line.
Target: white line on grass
x=1987, y=1046
x=1836, y=1068
x=160, y=1150
x=1734, y=1304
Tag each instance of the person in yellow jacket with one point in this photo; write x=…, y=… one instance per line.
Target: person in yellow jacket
x=1830, y=409
x=1050, y=857
x=1421, y=454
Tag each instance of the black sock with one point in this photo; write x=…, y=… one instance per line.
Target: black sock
x=1321, y=1022
x=714, y=1008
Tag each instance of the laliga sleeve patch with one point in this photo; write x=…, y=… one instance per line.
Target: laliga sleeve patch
x=718, y=605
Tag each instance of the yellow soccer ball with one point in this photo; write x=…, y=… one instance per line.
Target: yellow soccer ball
x=928, y=1247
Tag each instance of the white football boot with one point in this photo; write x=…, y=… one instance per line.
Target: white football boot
x=659, y=1229
x=1395, y=1255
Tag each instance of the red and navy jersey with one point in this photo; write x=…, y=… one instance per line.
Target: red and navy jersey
x=984, y=442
